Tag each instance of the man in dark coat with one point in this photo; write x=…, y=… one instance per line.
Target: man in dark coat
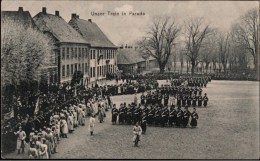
x=143, y=99
x=194, y=118
x=121, y=114
x=165, y=115
x=172, y=115
x=200, y=100
x=150, y=117
x=166, y=98
x=205, y=100
x=179, y=116
x=186, y=117
x=144, y=123
x=114, y=112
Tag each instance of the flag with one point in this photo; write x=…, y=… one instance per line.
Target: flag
x=101, y=56
x=37, y=106
x=9, y=115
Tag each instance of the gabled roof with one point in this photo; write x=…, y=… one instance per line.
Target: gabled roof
x=129, y=56
x=20, y=16
x=91, y=33
x=57, y=26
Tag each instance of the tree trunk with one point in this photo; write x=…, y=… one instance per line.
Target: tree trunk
x=192, y=67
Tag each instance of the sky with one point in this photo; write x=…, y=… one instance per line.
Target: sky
x=127, y=29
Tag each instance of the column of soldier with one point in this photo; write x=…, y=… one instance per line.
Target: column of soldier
x=157, y=108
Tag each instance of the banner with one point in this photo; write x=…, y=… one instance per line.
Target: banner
x=37, y=107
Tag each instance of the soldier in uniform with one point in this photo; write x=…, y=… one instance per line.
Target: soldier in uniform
x=159, y=98
x=145, y=110
x=148, y=98
x=166, y=98
x=150, y=116
x=189, y=99
x=186, y=117
x=165, y=115
x=136, y=115
x=194, y=100
x=194, y=118
x=172, y=116
x=144, y=123
x=142, y=99
x=114, y=112
x=153, y=101
x=129, y=115
x=157, y=115
x=199, y=100
x=205, y=100
x=121, y=114
x=178, y=100
x=183, y=100
x=179, y=116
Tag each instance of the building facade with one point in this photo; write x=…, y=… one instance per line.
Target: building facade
x=132, y=61
x=71, y=51
x=103, y=53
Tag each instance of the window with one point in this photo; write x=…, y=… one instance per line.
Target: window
x=76, y=53
x=83, y=54
x=63, y=71
x=76, y=66
x=97, y=71
x=68, y=70
x=90, y=53
x=102, y=71
x=91, y=75
x=94, y=54
x=68, y=53
x=94, y=71
x=63, y=53
x=86, y=68
x=86, y=53
x=82, y=68
x=71, y=69
x=79, y=67
x=79, y=53
x=72, y=53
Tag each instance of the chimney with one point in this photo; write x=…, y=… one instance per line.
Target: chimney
x=20, y=9
x=73, y=15
x=44, y=10
x=57, y=13
x=78, y=16
x=89, y=20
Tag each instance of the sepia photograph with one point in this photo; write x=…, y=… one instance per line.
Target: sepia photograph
x=129, y=79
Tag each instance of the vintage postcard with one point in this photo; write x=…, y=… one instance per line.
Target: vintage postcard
x=129, y=79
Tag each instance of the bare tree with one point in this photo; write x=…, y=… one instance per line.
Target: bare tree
x=23, y=51
x=246, y=32
x=224, y=49
x=209, y=50
x=160, y=40
x=195, y=32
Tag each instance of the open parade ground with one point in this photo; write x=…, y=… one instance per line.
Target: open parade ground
x=227, y=129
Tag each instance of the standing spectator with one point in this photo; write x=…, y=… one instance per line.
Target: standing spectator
x=20, y=139
x=64, y=127
x=92, y=124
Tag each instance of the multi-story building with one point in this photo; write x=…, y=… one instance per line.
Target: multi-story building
x=70, y=49
x=102, y=52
